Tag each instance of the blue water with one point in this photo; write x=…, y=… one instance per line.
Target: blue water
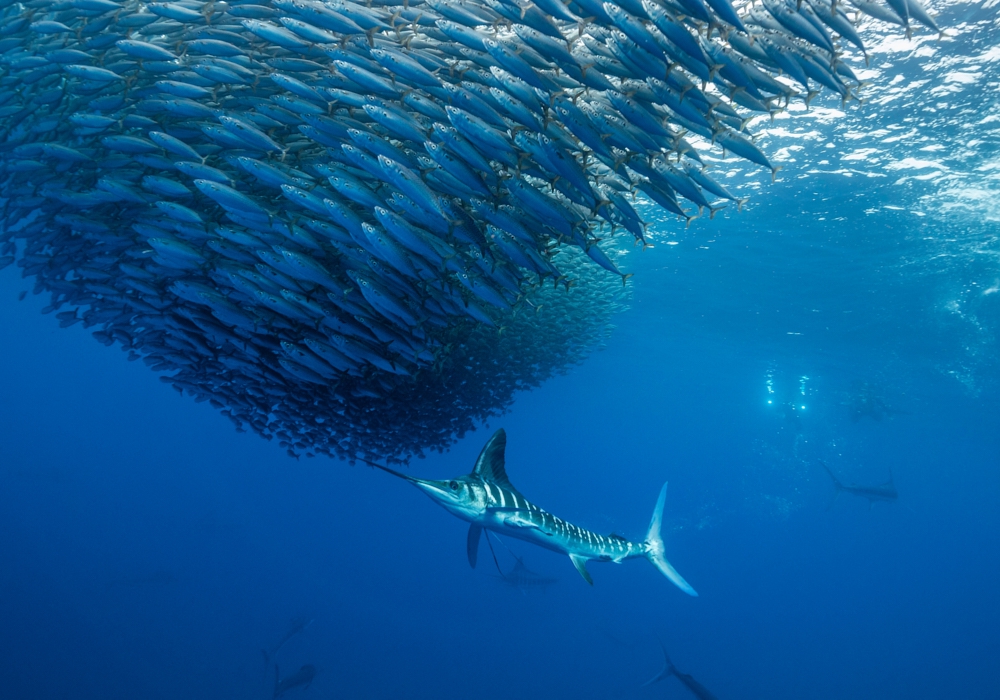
x=148, y=551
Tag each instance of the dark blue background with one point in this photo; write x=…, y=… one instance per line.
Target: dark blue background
x=148, y=551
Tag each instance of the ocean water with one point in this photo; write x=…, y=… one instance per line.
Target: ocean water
x=849, y=315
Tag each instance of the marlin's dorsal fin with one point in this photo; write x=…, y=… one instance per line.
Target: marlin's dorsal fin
x=490, y=465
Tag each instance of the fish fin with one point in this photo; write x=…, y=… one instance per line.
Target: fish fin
x=472, y=543
x=712, y=210
x=508, y=509
x=665, y=672
x=522, y=525
x=490, y=464
x=581, y=565
x=276, y=682
x=654, y=547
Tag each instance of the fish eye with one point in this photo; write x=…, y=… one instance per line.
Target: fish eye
x=453, y=485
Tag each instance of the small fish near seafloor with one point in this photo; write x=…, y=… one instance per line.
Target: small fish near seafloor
x=316, y=215
x=487, y=500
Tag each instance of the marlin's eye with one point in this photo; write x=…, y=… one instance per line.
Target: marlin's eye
x=453, y=485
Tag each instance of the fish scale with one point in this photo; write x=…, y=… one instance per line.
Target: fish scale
x=472, y=136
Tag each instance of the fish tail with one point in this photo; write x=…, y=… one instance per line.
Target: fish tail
x=838, y=487
x=836, y=482
x=667, y=670
x=668, y=665
x=654, y=547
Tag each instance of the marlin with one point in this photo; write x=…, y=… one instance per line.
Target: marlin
x=302, y=678
x=487, y=500
x=882, y=492
x=296, y=626
x=696, y=688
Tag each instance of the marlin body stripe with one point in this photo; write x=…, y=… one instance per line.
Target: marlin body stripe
x=487, y=500
x=508, y=511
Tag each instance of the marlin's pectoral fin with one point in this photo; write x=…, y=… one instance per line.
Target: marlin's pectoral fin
x=515, y=518
x=472, y=543
x=581, y=565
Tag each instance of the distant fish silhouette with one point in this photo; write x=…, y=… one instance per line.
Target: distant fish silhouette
x=882, y=492
x=523, y=578
x=301, y=678
x=696, y=688
x=296, y=626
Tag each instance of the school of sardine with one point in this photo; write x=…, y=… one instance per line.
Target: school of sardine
x=360, y=228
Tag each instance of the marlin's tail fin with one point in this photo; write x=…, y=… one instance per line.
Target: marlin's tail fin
x=836, y=484
x=654, y=547
x=668, y=669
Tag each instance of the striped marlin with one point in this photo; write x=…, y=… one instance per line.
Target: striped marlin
x=881, y=492
x=487, y=500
